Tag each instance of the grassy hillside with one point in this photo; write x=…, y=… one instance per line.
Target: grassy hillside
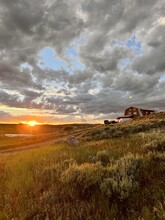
x=141, y=124
x=106, y=176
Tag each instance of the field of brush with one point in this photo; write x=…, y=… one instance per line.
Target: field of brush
x=115, y=172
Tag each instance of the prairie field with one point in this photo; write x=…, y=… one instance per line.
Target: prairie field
x=115, y=172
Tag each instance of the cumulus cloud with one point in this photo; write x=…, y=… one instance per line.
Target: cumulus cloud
x=103, y=69
x=152, y=61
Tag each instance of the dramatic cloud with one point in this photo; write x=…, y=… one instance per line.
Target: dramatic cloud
x=153, y=60
x=80, y=60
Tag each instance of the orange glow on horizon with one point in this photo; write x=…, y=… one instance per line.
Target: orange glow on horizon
x=32, y=123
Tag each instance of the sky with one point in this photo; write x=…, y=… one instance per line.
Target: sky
x=80, y=61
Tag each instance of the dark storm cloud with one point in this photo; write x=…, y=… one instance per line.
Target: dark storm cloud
x=32, y=94
x=106, y=61
x=86, y=103
x=12, y=78
x=106, y=82
x=26, y=99
x=137, y=83
x=25, y=15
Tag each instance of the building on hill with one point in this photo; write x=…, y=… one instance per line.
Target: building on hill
x=134, y=112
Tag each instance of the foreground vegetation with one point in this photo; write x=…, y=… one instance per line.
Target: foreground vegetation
x=112, y=177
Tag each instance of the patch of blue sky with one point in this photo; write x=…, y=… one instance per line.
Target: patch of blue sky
x=162, y=78
x=49, y=59
x=135, y=44
x=72, y=54
x=131, y=43
x=124, y=63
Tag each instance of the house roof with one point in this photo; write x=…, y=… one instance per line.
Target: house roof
x=125, y=116
x=140, y=109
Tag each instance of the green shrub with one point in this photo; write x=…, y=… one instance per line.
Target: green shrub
x=82, y=178
x=124, y=180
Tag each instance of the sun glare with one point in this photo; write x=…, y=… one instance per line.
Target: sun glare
x=32, y=123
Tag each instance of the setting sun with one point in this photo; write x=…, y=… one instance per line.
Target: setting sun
x=32, y=123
